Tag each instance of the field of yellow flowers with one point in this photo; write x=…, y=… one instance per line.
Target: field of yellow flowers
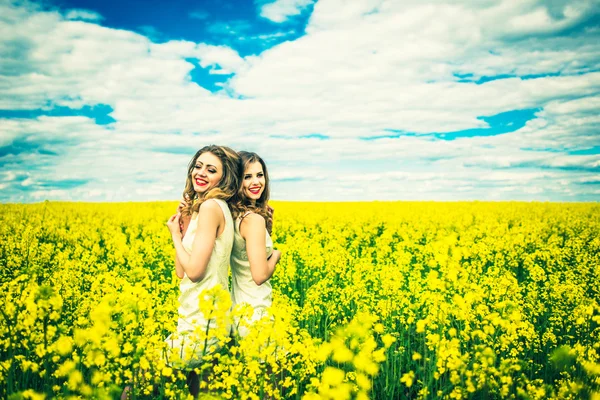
x=371, y=300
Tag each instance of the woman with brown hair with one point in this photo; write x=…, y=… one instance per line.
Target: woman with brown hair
x=203, y=251
x=253, y=258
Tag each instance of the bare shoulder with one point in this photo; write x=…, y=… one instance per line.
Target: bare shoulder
x=252, y=224
x=253, y=219
x=210, y=207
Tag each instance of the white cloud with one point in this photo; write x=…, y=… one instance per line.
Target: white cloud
x=281, y=10
x=267, y=37
x=335, y=13
x=85, y=15
x=226, y=58
x=539, y=20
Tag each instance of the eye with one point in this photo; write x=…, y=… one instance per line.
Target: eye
x=260, y=175
x=247, y=176
x=212, y=171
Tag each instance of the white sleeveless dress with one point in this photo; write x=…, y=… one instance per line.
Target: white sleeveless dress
x=243, y=288
x=185, y=345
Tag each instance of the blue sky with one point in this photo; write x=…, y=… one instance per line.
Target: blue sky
x=361, y=100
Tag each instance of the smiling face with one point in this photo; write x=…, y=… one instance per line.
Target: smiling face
x=207, y=172
x=254, y=181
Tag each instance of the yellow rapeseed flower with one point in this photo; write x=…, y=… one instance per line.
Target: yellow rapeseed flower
x=408, y=378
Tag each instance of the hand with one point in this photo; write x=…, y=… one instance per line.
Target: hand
x=173, y=225
x=275, y=256
x=183, y=203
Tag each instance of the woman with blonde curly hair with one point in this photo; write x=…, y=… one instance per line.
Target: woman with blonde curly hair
x=203, y=250
x=253, y=258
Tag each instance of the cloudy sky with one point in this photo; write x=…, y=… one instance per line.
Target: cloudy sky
x=344, y=99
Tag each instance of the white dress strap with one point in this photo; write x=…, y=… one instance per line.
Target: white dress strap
x=239, y=219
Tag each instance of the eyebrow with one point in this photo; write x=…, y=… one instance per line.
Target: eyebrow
x=208, y=165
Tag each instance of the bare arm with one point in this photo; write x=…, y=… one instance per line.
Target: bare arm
x=178, y=268
x=210, y=218
x=253, y=230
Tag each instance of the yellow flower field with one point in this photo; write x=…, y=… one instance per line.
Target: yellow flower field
x=371, y=300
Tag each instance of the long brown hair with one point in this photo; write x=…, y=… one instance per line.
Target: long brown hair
x=240, y=203
x=227, y=186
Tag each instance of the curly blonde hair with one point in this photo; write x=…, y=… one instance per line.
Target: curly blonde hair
x=240, y=203
x=227, y=186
